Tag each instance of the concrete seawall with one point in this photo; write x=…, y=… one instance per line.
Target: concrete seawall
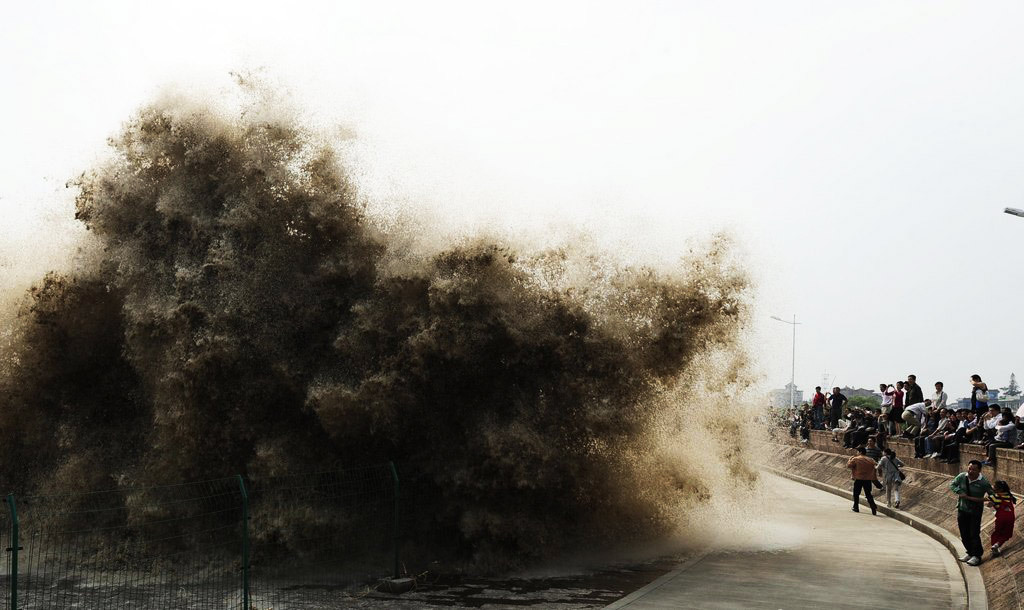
x=925, y=494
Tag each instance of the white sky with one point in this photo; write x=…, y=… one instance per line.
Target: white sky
x=862, y=153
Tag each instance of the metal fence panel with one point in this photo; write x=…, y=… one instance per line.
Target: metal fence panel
x=297, y=541
x=174, y=547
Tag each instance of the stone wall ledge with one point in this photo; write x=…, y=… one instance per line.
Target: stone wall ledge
x=1009, y=464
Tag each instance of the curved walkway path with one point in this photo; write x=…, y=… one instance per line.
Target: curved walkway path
x=848, y=560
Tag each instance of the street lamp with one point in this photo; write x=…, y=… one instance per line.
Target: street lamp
x=1014, y=211
x=792, y=379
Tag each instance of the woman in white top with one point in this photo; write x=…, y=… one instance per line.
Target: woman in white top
x=979, y=394
x=889, y=472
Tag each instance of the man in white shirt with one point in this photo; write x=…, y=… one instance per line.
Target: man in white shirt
x=992, y=418
x=887, y=395
x=914, y=416
x=1006, y=433
x=939, y=398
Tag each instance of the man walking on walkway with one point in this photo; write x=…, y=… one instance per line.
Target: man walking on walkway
x=972, y=488
x=863, y=470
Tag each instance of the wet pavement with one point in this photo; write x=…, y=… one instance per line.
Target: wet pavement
x=834, y=559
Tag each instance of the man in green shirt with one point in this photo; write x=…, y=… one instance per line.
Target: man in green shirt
x=971, y=488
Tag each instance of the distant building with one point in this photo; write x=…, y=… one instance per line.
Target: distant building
x=1010, y=402
x=993, y=399
x=780, y=398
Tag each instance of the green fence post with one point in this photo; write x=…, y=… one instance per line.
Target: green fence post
x=394, y=538
x=245, y=543
x=14, y=550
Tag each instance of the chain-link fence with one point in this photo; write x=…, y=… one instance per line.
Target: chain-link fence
x=299, y=541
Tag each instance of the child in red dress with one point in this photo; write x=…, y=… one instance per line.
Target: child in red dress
x=1002, y=500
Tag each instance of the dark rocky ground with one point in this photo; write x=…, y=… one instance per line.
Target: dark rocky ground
x=594, y=589
x=559, y=588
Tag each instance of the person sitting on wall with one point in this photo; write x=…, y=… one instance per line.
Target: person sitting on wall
x=989, y=422
x=860, y=437
x=972, y=427
x=933, y=442
x=1006, y=431
x=951, y=442
x=1018, y=419
x=922, y=445
x=844, y=424
x=851, y=429
x=805, y=429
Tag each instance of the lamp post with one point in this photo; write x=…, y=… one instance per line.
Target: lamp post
x=792, y=378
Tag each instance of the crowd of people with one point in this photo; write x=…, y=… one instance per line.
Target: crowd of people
x=938, y=431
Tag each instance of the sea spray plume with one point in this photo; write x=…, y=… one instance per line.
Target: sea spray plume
x=526, y=401
x=72, y=412
x=254, y=320
x=240, y=249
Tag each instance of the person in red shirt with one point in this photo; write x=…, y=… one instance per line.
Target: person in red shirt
x=896, y=415
x=818, y=408
x=1002, y=500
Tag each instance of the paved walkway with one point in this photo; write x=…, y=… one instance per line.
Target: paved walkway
x=831, y=567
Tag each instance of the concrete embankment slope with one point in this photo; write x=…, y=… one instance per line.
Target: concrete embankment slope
x=821, y=558
x=926, y=495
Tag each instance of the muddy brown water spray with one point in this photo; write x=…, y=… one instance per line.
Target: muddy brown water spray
x=246, y=315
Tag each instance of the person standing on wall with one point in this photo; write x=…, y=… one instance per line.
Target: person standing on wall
x=940, y=397
x=896, y=415
x=862, y=468
x=836, y=403
x=972, y=488
x=818, y=408
x=914, y=393
x=887, y=392
x=979, y=394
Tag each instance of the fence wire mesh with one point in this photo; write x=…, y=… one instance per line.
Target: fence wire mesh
x=159, y=547
x=310, y=540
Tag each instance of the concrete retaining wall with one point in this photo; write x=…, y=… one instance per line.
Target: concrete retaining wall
x=925, y=494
